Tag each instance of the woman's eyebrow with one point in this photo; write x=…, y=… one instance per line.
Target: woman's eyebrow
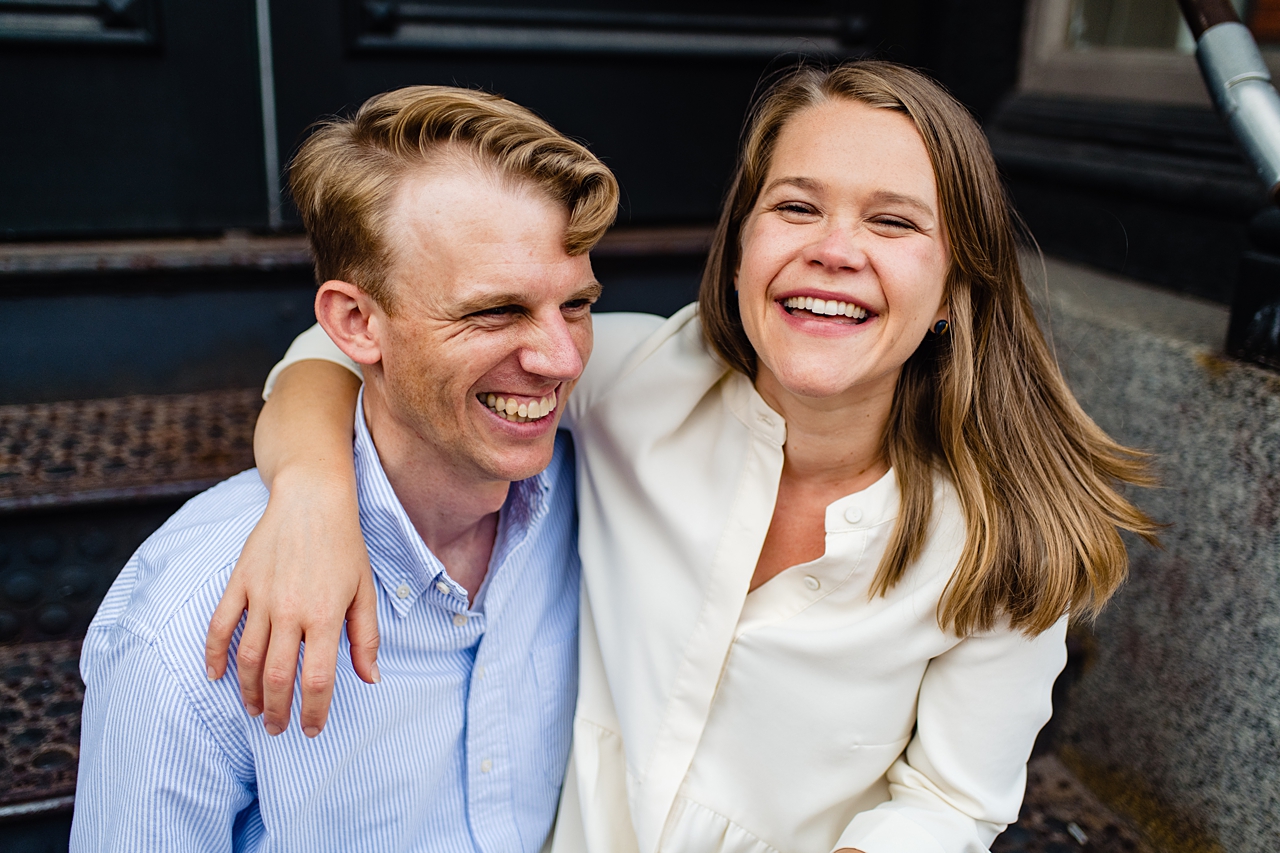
x=888, y=197
x=808, y=184
x=880, y=197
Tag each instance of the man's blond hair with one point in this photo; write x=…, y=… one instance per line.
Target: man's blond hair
x=346, y=174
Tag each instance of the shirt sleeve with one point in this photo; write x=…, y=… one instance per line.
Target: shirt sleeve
x=617, y=336
x=961, y=779
x=314, y=343
x=152, y=776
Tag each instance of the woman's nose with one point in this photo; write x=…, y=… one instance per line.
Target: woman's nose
x=839, y=247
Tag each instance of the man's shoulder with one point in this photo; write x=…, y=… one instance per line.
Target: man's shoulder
x=195, y=548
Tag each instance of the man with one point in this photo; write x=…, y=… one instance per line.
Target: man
x=451, y=231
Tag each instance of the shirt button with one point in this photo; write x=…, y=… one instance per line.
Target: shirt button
x=811, y=582
x=459, y=619
x=480, y=671
x=443, y=587
x=853, y=515
x=486, y=766
x=403, y=591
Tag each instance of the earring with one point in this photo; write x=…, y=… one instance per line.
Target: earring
x=940, y=328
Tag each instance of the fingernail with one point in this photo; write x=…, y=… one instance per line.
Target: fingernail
x=253, y=710
x=310, y=731
x=213, y=676
x=377, y=676
x=273, y=729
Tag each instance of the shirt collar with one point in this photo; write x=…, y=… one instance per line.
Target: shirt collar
x=401, y=561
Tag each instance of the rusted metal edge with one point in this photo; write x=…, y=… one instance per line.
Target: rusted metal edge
x=246, y=251
x=128, y=494
x=684, y=240
x=235, y=251
x=38, y=807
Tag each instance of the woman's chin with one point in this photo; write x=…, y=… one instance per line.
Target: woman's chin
x=821, y=382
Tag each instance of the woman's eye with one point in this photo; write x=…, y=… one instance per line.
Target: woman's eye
x=797, y=208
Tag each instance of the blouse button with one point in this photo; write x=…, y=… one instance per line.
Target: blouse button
x=811, y=582
x=853, y=515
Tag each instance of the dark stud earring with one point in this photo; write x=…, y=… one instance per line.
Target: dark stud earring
x=940, y=327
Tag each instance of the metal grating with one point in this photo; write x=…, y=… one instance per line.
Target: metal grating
x=40, y=698
x=1060, y=815
x=59, y=454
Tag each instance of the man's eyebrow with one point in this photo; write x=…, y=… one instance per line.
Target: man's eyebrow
x=591, y=291
x=489, y=301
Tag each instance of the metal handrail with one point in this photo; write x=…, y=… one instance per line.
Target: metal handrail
x=1239, y=84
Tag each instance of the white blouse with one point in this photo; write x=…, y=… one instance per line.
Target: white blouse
x=805, y=715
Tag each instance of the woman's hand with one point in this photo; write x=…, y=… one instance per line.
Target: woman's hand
x=304, y=568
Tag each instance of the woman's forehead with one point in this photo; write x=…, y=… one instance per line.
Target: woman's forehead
x=841, y=143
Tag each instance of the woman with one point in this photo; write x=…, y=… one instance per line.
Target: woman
x=833, y=519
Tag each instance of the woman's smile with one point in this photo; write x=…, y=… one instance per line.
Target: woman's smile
x=824, y=313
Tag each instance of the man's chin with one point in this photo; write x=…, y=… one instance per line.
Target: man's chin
x=523, y=463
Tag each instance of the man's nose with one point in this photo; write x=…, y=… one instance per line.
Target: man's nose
x=553, y=349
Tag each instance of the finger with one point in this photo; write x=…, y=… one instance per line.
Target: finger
x=249, y=660
x=278, y=673
x=362, y=631
x=319, y=661
x=226, y=618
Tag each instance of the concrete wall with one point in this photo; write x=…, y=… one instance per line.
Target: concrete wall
x=1174, y=716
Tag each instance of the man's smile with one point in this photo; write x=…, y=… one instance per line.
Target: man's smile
x=518, y=408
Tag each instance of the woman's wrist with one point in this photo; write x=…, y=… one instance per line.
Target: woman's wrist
x=324, y=478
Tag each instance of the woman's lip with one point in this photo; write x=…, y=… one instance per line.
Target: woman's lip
x=824, y=326
x=826, y=296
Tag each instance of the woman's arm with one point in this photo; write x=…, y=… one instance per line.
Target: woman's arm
x=961, y=779
x=308, y=541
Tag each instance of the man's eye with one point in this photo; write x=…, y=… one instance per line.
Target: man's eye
x=498, y=311
x=577, y=304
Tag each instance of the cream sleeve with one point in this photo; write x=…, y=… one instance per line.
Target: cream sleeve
x=313, y=343
x=617, y=335
x=962, y=777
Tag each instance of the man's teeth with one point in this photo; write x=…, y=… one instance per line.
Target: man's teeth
x=520, y=411
x=828, y=307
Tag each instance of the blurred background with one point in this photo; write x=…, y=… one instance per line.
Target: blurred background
x=152, y=270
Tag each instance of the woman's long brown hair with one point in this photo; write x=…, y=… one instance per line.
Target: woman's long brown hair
x=985, y=404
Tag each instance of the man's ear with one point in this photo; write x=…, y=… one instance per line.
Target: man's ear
x=352, y=320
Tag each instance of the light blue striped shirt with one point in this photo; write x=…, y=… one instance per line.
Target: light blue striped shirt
x=461, y=747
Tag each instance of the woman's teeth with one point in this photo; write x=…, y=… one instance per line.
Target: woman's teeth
x=826, y=307
x=520, y=411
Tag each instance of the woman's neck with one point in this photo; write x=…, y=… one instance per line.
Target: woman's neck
x=834, y=448
x=832, y=443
